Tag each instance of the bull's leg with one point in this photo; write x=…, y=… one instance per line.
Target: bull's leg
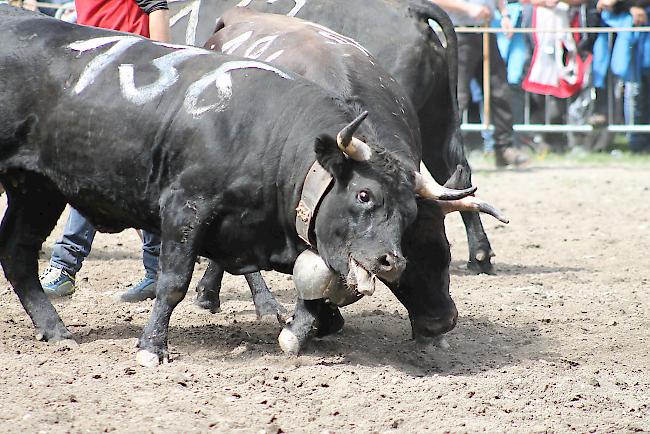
x=311, y=318
x=33, y=209
x=480, y=251
x=443, y=154
x=182, y=228
x=209, y=287
x=265, y=303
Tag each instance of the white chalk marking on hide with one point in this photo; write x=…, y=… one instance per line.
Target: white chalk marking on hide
x=180, y=14
x=190, y=34
x=338, y=38
x=274, y=56
x=230, y=46
x=168, y=76
x=221, y=78
x=177, y=46
x=99, y=63
x=296, y=8
x=259, y=46
x=193, y=10
x=298, y=5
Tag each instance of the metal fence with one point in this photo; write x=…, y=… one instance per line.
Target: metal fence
x=613, y=123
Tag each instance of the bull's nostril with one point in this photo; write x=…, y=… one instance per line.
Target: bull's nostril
x=386, y=262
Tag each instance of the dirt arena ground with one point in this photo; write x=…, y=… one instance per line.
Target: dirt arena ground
x=558, y=341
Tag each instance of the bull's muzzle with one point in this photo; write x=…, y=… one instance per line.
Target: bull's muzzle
x=431, y=326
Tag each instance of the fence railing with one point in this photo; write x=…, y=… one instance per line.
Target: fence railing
x=611, y=125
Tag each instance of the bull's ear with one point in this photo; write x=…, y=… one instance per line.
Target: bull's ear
x=330, y=156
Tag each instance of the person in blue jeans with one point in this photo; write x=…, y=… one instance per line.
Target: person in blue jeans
x=68, y=254
x=148, y=18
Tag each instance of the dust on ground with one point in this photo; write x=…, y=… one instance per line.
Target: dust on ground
x=557, y=341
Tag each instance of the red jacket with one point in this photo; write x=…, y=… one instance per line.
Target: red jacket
x=124, y=15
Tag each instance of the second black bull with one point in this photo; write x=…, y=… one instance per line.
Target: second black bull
x=348, y=71
x=399, y=35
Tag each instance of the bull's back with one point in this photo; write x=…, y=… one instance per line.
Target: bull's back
x=114, y=120
x=329, y=59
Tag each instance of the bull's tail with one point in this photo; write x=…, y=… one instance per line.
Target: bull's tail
x=425, y=12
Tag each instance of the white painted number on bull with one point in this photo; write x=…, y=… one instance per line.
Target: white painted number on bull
x=292, y=13
x=258, y=48
x=99, y=63
x=144, y=94
x=337, y=38
x=168, y=76
x=221, y=78
x=230, y=46
x=192, y=21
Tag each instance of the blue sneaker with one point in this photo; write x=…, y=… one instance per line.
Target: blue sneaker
x=56, y=282
x=141, y=291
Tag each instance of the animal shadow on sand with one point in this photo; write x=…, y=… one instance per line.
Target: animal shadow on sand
x=370, y=338
x=459, y=268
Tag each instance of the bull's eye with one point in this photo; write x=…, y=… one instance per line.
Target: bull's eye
x=363, y=196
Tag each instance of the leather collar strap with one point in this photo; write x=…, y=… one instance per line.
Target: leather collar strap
x=317, y=183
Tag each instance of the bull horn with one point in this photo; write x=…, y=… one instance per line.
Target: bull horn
x=474, y=204
x=428, y=188
x=352, y=147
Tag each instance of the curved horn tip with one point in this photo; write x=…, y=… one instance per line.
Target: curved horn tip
x=494, y=212
x=451, y=194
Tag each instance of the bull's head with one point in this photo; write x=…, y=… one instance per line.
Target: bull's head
x=361, y=221
x=424, y=286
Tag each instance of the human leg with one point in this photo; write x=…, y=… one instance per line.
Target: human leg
x=501, y=110
x=68, y=254
x=146, y=287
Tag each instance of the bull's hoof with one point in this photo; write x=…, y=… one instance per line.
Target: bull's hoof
x=70, y=344
x=481, y=263
x=297, y=331
x=426, y=342
x=149, y=359
x=289, y=343
x=52, y=336
x=209, y=301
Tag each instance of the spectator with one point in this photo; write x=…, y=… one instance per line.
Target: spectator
x=470, y=55
x=149, y=18
x=635, y=72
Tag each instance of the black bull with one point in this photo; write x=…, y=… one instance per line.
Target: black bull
x=136, y=134
x=398, y=34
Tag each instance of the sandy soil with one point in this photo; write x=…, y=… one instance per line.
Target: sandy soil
x=557, y=341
